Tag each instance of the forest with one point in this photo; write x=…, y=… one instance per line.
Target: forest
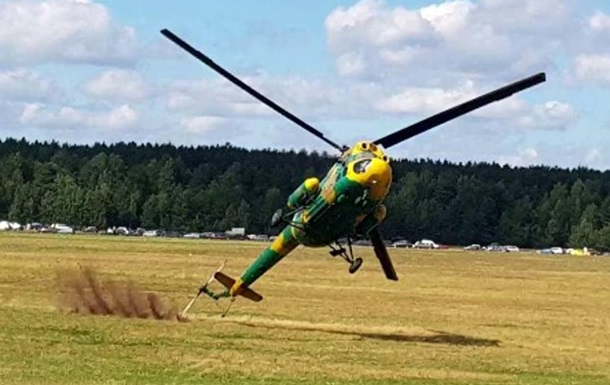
x=214, y=188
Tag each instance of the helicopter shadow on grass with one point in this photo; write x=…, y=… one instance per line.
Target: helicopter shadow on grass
x=437, y=337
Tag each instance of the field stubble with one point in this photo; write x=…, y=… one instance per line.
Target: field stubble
x=453, y=318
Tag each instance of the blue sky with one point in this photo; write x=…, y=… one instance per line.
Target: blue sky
x=81, y=71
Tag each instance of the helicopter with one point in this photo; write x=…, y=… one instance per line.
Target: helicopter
x=347, y=203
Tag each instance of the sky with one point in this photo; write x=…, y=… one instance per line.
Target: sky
x=82, y=71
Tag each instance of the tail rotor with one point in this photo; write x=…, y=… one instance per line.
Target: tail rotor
x=202, y=289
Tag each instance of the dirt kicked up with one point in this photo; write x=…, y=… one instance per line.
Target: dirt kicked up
x=82, y=291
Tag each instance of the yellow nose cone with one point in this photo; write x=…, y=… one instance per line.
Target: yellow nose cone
x=375, y=174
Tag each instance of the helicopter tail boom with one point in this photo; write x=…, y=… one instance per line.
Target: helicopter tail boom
x=281, y=246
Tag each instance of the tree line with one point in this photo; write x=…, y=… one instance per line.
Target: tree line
x=214, y=188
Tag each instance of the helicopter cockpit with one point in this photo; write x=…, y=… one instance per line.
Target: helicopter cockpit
x=364, y=150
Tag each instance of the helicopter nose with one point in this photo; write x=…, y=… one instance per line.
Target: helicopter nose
x=375, y=174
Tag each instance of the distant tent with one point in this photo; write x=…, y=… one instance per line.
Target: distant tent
x=6, y=225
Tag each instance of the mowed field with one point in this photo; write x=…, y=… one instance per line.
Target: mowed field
x=453, y=318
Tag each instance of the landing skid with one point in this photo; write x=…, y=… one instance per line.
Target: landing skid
x=347, y=255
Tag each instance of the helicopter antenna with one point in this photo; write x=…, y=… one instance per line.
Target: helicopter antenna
x=459, y=110
x=260, y=97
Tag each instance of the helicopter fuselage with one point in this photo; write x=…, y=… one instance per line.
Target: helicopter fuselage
x=348, y=201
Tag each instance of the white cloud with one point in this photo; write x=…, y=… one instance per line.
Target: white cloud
x=573, y=155
x=310, y=99
x=522, y=158
x=551, y=154
x=513, y=110
x=590, y=61
x=428, y=100
x=9, y=118
x=203, y=124
x=552, y=115
x=600, y=22
x=357, y=33
x=449, y=40
x=118, y=84
x=555, y=110
x=423, y=100
x=448, y=18
x=204, y=129
x=40, y=115
x=73, y=31
x=594, y=155
x=593, y=68
x=27, y=85
x=369, y=21
x=350, y=64
x=215, y=97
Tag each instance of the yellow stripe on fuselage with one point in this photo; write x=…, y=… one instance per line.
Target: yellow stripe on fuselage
x=236, y=288
x=280, y=245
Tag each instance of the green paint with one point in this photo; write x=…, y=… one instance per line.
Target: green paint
x=328, y=222
x=268, y=258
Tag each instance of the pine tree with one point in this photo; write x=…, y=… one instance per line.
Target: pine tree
x=585, y=234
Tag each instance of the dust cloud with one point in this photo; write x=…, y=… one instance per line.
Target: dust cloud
x=82, y=291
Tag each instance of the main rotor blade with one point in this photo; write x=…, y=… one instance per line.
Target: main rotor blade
x=459, y=110
x=233, y=79
x=382, y=254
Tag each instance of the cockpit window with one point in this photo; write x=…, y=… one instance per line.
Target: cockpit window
x=364, y=155
x=361, y=166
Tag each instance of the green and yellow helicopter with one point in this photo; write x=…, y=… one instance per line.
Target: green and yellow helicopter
x=346, y=203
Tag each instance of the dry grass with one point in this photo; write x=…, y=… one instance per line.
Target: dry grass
x=453, y=318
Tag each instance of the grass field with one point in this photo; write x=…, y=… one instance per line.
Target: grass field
x=453, y=318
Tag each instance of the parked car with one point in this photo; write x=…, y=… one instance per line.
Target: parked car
x=258, y=237
x=152, y=233
x=362, y=242
x=474, y=246
x=494, y=247
x=90, y=229
x=402, y=243
x=65, y=230
x=511, y=249
x=425, y=244
x=122, y=230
